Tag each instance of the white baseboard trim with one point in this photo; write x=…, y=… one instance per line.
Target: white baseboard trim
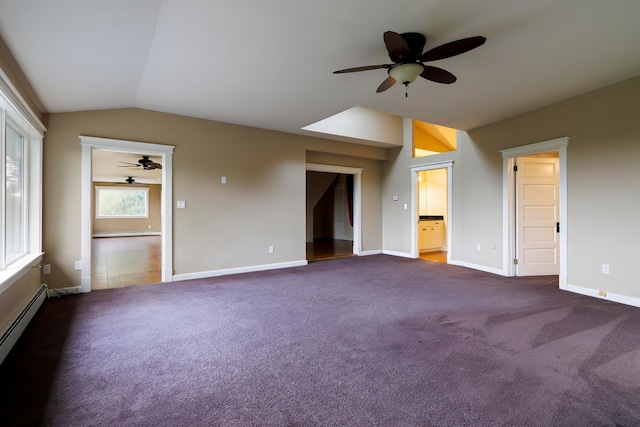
x=59, y=292
x=595, y=293
x=15, y=326
x=227, y=271
x=367, y=253
x=128, y=234
x=484, y=268
x=395, y=253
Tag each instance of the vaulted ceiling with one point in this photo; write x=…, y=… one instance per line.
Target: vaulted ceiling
x=269, y=64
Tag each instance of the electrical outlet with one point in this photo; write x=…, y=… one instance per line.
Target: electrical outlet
x=46, y=269
x=78, y=265
x=602, y=294
x=605, y=268
x=477, y=246
x=270, y=249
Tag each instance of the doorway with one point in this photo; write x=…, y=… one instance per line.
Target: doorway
x=126, y=220
x=535, y=210
x=332, y=212
x=431, y=202
x=165, y=153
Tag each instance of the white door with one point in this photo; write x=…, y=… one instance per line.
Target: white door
x=537, y=216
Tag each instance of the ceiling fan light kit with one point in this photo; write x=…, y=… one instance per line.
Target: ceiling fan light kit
x=406, y=73
x=405, y=51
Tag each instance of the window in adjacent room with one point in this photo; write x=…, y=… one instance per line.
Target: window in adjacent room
x=117, y=202
x=430, y=139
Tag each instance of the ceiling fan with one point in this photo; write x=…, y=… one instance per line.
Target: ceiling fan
x=405, y=51
x=145, y=162
x=131, y=181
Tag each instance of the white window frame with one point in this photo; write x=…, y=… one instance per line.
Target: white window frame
x=99, y=188
x=5, y=261
x=15, y=111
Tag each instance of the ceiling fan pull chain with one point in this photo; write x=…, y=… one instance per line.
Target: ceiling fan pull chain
x=406, y=91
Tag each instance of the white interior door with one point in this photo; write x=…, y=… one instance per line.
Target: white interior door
x=537, y=216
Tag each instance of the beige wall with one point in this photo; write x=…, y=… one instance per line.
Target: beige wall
x=13, y=297
x=396, y=230
x=131, y=225
x=223, y=226
x=602, y=173
x=9, y=65
x=603, y=180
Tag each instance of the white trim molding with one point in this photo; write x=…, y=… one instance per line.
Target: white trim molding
x=622, y=299
x=508, y=202
x=90, y=143
x=484, y=268
x=367, y=253
x=398, y=254
x=19, y=103
x=448, y=165
x=228, y=271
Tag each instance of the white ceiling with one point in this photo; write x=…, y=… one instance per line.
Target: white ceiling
x=269, y=64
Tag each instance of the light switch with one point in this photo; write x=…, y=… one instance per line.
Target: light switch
x=181, y=204
x=224, y=179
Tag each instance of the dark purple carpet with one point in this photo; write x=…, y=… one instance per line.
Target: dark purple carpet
x=369, y=341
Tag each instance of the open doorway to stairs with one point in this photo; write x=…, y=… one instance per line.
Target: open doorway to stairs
x=165, y=153
x=332, y=212
x=535, y=210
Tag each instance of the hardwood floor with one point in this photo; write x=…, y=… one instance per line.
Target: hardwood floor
x=328, y=249
x=440, y=256
x=117, y=262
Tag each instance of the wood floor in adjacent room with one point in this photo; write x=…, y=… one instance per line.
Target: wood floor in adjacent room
x=321, y=249
x=440, y=256
x=117, y=262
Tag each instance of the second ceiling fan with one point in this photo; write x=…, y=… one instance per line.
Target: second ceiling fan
x=405, y=51
x=145, y=162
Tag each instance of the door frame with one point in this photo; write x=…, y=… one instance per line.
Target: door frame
x=509, y=220
x=357, y=197
x=415, y=250
x=90, y=143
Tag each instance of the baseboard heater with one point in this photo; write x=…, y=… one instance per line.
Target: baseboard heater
x=16, y=325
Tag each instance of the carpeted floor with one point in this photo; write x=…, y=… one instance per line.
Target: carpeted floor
x=361, y=341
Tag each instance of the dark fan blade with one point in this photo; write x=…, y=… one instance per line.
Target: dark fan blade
x=397, y=46
x=454, y=48
x=153, y=165
x=129, y=165
x=416, y=42
x=437, y=75
x=365, y=68
x=390, y=81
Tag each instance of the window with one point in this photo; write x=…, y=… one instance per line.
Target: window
x=21, y=182
x=117, y=202
x=14, y=195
